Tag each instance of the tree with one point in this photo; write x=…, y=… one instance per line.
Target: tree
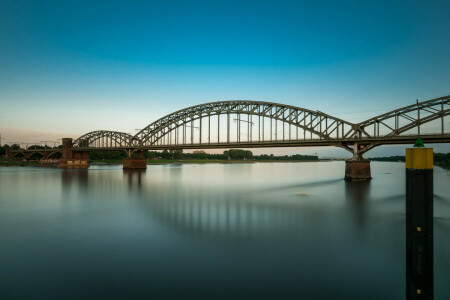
x=176, y=154
x=238, y=154
x=165, y=154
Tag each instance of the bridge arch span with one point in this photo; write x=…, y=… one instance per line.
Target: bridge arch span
x=36, y=154
x=401, y=120
x=55, y=154
x=18, y=154
x=319, y=124
x=103, y=139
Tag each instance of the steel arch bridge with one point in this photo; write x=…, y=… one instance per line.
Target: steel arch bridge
x=106, y=138
x=250, y=124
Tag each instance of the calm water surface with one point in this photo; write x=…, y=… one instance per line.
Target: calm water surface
x=217, y=231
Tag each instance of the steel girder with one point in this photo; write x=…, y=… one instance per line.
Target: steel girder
x=322, y=125
x=414, y=116
x=120, y=139
x=305, y=119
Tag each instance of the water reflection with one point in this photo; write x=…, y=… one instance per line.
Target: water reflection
x=244, y=213
x=223, y=217
x=358, y=195
x=75, y=178
x=134, y=178
x=191, y=228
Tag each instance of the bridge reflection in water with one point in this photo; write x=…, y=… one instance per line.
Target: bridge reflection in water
x=220, y=213
x=341, y=225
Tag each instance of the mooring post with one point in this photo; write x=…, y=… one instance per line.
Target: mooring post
x=419, y=222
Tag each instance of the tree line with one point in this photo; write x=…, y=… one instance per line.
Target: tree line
x=17, y=147
x=232, y=154
x=439, y=159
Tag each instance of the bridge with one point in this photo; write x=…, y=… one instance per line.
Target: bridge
x=256, y=124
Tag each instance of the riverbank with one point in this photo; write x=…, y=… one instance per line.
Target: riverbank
x=197, y=161
x=15, y=163
x=439, y=159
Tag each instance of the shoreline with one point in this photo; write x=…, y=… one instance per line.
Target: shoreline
x=5, y=163
x=168, y=162
x=36, y=164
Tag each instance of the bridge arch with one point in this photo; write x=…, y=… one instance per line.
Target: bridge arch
x=319, y=124
x=54, y=154
x=18, y=154
x=398, y=121
x=103, y=139
x=36, y=154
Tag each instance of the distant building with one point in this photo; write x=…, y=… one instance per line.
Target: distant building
x=199, y=152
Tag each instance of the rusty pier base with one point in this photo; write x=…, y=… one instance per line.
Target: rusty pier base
x=134, y=163
x=357, y=170
x=73, y=159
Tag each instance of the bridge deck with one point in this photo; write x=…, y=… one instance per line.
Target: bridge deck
x=438, y=138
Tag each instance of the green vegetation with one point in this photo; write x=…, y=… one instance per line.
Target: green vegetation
x=295, y=157
x=440, y=159
x=172, y=156
x=107, y=155
x=178, y=155
x=17, y=163
x=396, y=158
x=4, y=147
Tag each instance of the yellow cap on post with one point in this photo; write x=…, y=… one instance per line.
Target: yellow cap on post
x=419, y=158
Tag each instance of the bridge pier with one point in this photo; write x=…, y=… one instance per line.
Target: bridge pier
x=72, y=159
x=357, y=170
x=138, y=162
x=8, y=153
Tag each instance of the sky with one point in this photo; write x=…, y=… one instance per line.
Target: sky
x=71, y=67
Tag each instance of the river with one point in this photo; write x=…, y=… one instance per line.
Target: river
x=211, y=231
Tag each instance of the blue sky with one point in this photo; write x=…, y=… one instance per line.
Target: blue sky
x=73, y=67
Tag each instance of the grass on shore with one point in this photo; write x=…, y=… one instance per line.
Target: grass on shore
x=17, y=163
x=195, y=161
x=11, y=163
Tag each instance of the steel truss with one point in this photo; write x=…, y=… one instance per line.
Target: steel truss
x=318, y=124
x=191, y=128
x=103, y=139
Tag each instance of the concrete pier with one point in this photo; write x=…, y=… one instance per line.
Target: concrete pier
x=357, y=170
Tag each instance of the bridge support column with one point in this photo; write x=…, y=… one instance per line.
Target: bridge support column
x=138, y=162
x=27, y=155
x=72, y=159
x=357, y=170
x=8, y=153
